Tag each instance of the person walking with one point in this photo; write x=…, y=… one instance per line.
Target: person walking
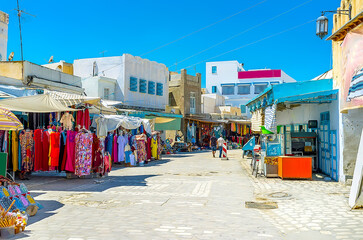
x=220, y=142
x=213, y=145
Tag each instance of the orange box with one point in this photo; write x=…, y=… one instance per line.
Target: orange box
x=295, y=167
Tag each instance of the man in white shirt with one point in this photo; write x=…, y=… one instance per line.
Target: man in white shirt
x=220, y=142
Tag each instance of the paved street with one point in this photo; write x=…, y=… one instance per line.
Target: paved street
x=190, y=196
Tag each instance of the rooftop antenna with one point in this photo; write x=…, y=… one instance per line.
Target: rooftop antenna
x=50, y=59
x=176, y=66
x=103, y=53
x=21, y=38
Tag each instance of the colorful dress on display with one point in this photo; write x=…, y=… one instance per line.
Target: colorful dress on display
x=27, y=150
x=115, y=149
x=70, y=145
x=15, y=146
x=159, y=147
x=62, y=151
x=38, y=150
x=154, y=148
x=54, y=149
x=141, y=150
x=45, y=149
x=83, y=162
x=122, y=141
x=148, y=149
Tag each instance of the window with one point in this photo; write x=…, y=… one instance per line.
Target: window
x=243, y=108
x=151, y=87
x=244, y=89
x=133, y=84
x=214, y=69
x=227, y=90
x=259, y=88
x=159, y=89
x=214, y=89
x=106, y=93
x=142, y=86
x=192, y=103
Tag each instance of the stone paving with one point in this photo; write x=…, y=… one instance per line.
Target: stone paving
x=305, y=206
x=189, y=196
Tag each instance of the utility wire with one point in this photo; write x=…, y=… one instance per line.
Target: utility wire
x=260, y=40
x=238, y=34
x=203, y=28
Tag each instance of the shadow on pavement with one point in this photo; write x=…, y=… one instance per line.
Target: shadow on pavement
x=39, y=183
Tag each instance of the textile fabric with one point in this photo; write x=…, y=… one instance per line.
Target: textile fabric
x=83, y=161
x=27, y=150
x=71, y=145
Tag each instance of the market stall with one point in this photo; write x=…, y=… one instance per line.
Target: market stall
x=239, y=132
x=56, y=137
x=128, y=140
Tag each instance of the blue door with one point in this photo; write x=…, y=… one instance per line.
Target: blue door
x=334, y=154
x=324, y=156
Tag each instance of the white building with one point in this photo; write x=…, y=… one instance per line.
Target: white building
x=239, y=86
x=139, y=82
x=211, y=103
x=4, y=21
x=100, y=87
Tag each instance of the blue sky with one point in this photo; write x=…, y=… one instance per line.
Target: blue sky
x=76, y=29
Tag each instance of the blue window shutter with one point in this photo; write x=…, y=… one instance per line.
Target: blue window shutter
x=159, y=89
x=143, y=86
x=151, y=87
x=214, y=89
x=133, y=84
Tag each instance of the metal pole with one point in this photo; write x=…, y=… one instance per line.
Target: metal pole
x=21, y=39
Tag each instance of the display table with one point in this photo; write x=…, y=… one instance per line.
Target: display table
x=294, y=167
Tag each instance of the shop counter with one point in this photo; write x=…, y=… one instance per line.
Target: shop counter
x=294, y=167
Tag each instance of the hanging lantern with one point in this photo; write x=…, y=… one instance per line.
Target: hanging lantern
x=322, y=26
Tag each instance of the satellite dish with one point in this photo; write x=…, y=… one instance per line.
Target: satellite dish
x=50, y=59
x=11, y=56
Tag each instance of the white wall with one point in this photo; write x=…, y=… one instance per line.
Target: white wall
x=3, y=35
x=306, y=112
x=94, y=86
x=122, y=68
x=227, y=72
x=110, y=67
x=208, y=104
x=150, y=71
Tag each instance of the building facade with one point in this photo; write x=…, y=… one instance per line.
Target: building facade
x=139, y=82
x=184, y=93
x=24, y=73
x=212, y=102
x=4, y=21
x=239, y=86
x=61, y=66
x=347, y=42
x=99, y=87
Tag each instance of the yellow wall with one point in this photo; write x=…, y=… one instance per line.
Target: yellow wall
x=338, y=21
x=11, y=70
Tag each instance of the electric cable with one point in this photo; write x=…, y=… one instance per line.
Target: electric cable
x=257, y=41
x=203, y=28
x=240, y=33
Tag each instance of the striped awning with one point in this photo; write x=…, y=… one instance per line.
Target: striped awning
x=70, y=99
x=8, y=121
x=257, y=120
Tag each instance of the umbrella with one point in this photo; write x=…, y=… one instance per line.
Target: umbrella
x=8, y=121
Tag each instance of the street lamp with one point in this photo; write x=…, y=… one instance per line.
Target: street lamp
x=322, y=21
x=322, y=26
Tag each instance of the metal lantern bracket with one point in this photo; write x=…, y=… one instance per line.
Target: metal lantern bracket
x=344, y=12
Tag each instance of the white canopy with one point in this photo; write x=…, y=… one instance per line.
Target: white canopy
x=41, y=103
x=109, y=123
